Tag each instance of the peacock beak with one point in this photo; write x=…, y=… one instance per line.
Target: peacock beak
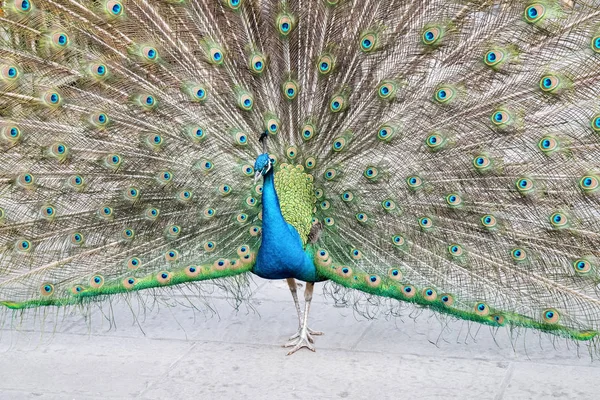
x=257, y=175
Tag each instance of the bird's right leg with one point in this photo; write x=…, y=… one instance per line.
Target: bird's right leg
x=293, y=339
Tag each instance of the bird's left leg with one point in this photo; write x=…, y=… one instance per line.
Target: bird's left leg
x=304, y=336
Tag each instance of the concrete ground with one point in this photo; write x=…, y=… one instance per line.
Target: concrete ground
x=181, y=353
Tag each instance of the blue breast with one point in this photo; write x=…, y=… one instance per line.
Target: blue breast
x=281, y=254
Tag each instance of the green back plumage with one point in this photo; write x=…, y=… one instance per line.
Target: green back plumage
x=452, y=147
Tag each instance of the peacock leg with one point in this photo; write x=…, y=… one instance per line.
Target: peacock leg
x=304, y=336
x=294, y=289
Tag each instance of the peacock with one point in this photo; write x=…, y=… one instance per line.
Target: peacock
x=442, y=153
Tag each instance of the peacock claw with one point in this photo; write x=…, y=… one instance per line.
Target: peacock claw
x=310, y=334
x=304, y=339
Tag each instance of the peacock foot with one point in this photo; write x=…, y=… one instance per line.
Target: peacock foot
x=310, y=332
x=303, y=338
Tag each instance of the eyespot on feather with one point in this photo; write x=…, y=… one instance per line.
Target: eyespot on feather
x=481, y=309
x=429, y=294
x=97, y=281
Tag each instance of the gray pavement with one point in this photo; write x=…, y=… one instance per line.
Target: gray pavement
x=174, y=351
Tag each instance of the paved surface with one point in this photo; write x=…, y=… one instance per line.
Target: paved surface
x=181, y=353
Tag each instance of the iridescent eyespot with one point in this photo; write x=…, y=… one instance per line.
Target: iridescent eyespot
x=414, y=182
x=329, y=221
x=432, y=36
x=589, y=183
x=347, y=196
x=291, y=152
x=502, y=118
x=48, y=212
x=60, y=39
x=596, y=44
x=254, y=231
x=115, y=8
x=447, y=299
x=444, y=94
x=113, y=160
x=356, y=254
x=325, y=63
x=325, y=205
x=23, y=6
x=409, y=291
x=47, y=289
x=134, y=263
x=386, y=133
x=455, y=250
x=77, y=289
x=371, y=173
x=388, y=204
x=499, y=319
x=23, y=246
x=429, y=294
x=210, y=246
x=272, y=124
x=52, y=99
x=215, y=54
x=99, y=120
x=97, y=281
x=482, y=309
x=105, y=212
x=398, y=240
x=559, y=220
x=596, y=123
x=163, y=277
x=582, y=266
x=337, y=103
x=242, y=217
x=185, y=195
x=209, y=212
x=395, y=274
x=285, y=24
x=344, y=271
x=172, y=255
x=534, y=13
x=482, y=163
x=11, y=134
x=152, y=213
x=362, y=217
x=173, y=231
x=129, y=283
x=247, y=170
x=488, y=221
x=245, y=101
x=524, y=185
x=338, y=144
x=25, y=180
x=373, y=280
x=368, y=42
x=98, y=70
x=241, y=138
x=435, y=141
x=147, y=101
x=132, y=193
x=550, y=316
x=518, y=254
x=329, y=174
x=453, y=200
x=387, y=90
x=9, y=73
x=493, y=57
x=310, y=162
x=225, y=190
x=548, y=144
x=550, y=83
x=290, y=89
x=425, y=223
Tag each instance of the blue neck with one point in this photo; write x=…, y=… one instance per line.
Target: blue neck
x=281, y=254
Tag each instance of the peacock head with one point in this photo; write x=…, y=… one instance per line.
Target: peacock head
x=262, y=165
